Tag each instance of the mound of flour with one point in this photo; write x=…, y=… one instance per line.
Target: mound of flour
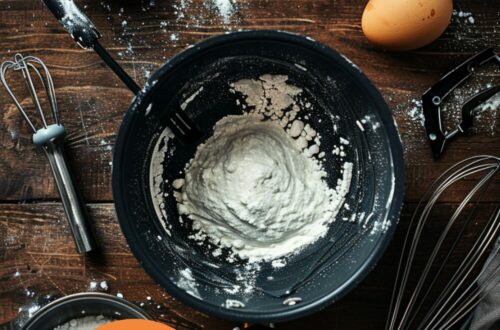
x=257, y=185
x=251, y=188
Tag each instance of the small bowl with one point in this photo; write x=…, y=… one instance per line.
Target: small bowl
x=80, y=305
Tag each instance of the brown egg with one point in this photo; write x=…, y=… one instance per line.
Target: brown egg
x=405, y=24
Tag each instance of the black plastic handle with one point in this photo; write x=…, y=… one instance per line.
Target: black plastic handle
x=86, y=35
x=434, y=96
x=471, y=104
x=74, y=21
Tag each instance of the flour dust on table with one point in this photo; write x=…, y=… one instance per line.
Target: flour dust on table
x=257, y=185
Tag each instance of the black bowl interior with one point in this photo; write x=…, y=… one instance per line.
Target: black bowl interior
x=80, y=305
x=344, y=103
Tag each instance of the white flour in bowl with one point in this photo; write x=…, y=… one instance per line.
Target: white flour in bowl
x=249, y=187
x=257, y=185
x=85, y=323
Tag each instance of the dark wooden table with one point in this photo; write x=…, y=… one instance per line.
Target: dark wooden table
x=37, y=254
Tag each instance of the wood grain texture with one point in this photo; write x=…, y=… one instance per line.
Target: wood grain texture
x=38, y=259
x=33, y=236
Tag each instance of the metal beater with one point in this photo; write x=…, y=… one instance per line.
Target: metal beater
x=50, y=139
x=465, y=286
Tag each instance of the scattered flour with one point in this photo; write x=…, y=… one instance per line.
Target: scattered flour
x=278, y=263
x=464, y=14
x=223, y=11
x=465, y=31
x=225, y=8
x=232, y=303
x=104, y=285
x=73, y=17
x=492, y=104
x=270, y=96
x=71, y=11
x=85, y=323
x=191, y=98
x=415, y=113
x=451, y=109
x=188, y=283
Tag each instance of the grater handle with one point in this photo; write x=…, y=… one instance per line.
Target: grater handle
x=72, y=203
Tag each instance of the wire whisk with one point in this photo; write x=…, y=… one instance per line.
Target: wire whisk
x=25, y=64
x=465, y=287
x=50, y=138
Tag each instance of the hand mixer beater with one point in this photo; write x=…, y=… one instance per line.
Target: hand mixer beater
x=50, y=139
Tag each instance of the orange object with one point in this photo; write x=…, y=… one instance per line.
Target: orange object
x=134, y=325
x=405, y=24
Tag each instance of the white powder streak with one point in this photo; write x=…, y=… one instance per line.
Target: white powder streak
x=72, y=14
x=191, y=98
x=188, y=283
x=493, y=103
x=156, y=177
x=225, y=9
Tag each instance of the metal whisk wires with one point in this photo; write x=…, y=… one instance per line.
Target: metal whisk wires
x=28, y=65
x=465, y=287
x=50, y=138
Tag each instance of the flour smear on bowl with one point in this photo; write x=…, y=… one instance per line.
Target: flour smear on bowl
x=257, y=185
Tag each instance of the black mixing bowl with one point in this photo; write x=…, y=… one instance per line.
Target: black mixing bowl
x=345, y=105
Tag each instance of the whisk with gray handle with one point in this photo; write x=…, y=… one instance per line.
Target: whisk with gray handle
x=50, y=139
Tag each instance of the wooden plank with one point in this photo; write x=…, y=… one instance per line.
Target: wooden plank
x=38, y=258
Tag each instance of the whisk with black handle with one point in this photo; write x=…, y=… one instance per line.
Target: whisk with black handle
x=50, y=138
